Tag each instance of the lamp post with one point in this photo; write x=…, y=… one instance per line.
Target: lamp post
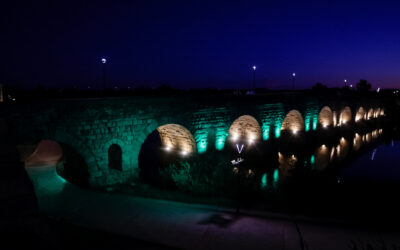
x=103, y=62
x=294, y=81
x=254, y=78
x=345, y=82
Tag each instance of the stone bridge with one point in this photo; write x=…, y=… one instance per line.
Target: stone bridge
x=99, y=130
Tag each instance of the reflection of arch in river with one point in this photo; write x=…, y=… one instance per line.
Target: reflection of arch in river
x=357, y=142
x=322, y=157
x=342, y=149
x=360, y=114
x=287, y=163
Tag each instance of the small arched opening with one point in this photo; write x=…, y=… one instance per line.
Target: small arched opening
x=115, y=157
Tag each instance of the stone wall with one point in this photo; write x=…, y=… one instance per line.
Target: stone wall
x=91, y=126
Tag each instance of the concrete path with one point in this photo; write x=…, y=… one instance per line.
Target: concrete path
x=187, y=226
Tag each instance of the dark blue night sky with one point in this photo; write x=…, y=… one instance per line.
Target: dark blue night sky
x=200, y=44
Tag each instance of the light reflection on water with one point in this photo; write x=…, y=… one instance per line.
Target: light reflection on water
x=326, y=155
x=378, y=164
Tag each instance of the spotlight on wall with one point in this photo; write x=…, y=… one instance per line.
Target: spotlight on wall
x=183, y=152
x=167, y=148
x=294, y=131
x=235, y=137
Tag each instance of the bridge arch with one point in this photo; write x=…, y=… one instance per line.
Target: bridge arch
x=245, y=127
x=177, y=137
x=165, y=145
x=377, y=112
x=293, y=122
x=325, y=117
x=360, y=114
x=80, y=154
x=345, y=116
x=370, y=113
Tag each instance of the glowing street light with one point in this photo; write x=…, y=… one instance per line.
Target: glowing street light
x=254, y=77
x=103, y=62
x=294, y=80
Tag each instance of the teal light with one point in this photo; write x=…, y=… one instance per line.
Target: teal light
x=201, y=139
x=272, y=117
x=61, y=179
x=277, y=131
x=264, y=180
x=307, y=123
x=315, y=122
x=220, y=139
x=265, y=131
x=312, y=162
x=220, y=143
x=275, y=177
x=311, y=116
x=202, y=146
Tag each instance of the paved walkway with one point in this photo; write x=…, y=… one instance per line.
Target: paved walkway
x=187, y=226
x=168, y=223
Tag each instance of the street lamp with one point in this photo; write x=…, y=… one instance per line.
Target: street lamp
x=103, y=62
x=294, y=80
x=254, y=77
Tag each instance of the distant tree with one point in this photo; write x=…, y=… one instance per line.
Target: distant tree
x=363, y=85
x=319, y=87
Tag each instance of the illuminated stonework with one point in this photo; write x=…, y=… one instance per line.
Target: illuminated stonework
x=335, y=118
x=357, y=142
x=360, y=114
x=293, y=122
x=325, y=117
x=345, y=116
x=246, y=128
x=271, y=118
x=370, y=113
x=377, y=112
x=311, y=117
x=176, y=137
